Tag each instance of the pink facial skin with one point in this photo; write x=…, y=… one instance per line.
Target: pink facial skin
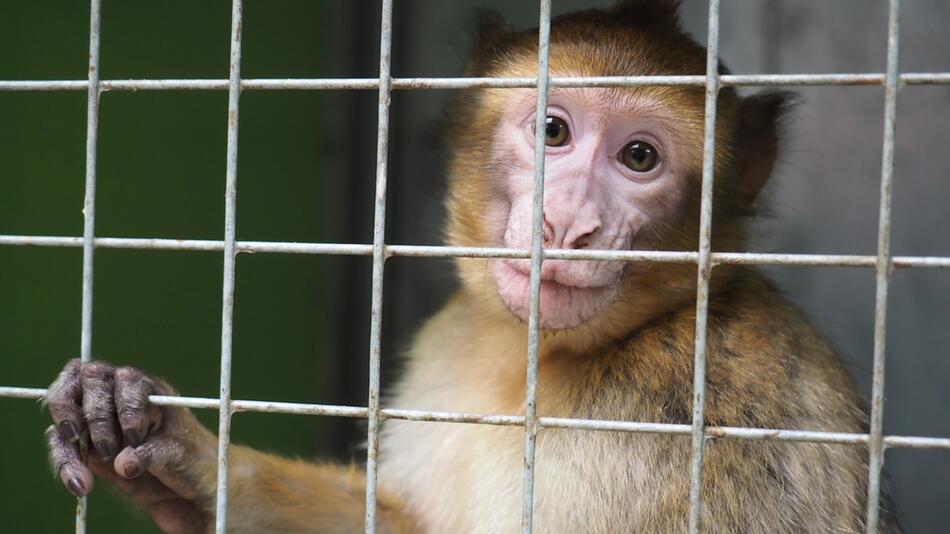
x=591, y=199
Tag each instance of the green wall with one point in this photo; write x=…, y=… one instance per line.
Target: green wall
x=161, y=173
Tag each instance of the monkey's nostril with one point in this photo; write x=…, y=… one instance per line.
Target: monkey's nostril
x=583, y=241
x=547, y=232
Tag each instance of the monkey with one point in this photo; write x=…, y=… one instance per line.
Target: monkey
x=623, y=170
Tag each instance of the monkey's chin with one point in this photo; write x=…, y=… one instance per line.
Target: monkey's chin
x=562, y=306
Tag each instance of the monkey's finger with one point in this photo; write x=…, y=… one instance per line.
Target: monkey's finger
x=164, y=458
x=63, y=398
x=66, y=463
x=136, y=415
x=98, y=406
x=145, y=489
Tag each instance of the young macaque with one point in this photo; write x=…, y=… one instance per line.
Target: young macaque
x=622, y=172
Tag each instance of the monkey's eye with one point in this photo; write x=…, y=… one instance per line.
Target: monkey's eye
x=639, y=156
x=556, y=132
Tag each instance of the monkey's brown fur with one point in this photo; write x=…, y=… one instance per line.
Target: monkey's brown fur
x=766, y=367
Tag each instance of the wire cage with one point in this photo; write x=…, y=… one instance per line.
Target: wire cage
x=883, y=263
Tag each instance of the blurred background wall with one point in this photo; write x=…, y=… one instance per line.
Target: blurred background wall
x=306, y=171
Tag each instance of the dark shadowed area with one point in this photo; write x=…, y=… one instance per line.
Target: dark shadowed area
x=306, y=173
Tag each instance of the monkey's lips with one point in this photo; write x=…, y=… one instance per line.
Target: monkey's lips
x=566, y=302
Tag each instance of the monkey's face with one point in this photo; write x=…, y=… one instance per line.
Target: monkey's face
x=623, y=167
x=613, y=171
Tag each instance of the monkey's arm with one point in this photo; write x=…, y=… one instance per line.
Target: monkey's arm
x=273, y=494
x=166, y=461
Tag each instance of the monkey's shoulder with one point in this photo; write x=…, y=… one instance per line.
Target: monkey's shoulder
x=766, y=365
x=748, y=321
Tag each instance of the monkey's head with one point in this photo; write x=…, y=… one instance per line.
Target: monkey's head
x=622, y=171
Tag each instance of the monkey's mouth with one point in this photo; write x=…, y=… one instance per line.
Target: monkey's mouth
x=565, y=302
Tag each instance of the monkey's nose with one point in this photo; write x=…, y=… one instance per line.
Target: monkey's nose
x=577, y=232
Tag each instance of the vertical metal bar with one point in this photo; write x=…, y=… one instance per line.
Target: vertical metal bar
x=230, y=255
x=89, y=203
x=704, y=269
x=883, y=271
x=89, y=208
x=379, y=261
x=537, y=256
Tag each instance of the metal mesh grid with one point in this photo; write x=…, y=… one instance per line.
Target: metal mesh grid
x=704, y=258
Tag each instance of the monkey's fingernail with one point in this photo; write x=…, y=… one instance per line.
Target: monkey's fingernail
x=106, y=449
x=133, y=436
x=67, y=429
x=75, y=487
x=133, y=470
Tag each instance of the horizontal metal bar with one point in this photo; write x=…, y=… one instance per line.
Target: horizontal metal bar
x=920, y=261
x=45, y=85
x=272, y=84
x=915, y=442
x=434, y=251
x=293, y=408
x=22, y=393
x=762, y=258
x=713, y=431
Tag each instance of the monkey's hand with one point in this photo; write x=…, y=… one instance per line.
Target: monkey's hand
x=161, y=457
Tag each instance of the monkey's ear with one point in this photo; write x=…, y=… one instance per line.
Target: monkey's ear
x=491, y=27
x=491, y=31
x=761, y=119
x=657, y=13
